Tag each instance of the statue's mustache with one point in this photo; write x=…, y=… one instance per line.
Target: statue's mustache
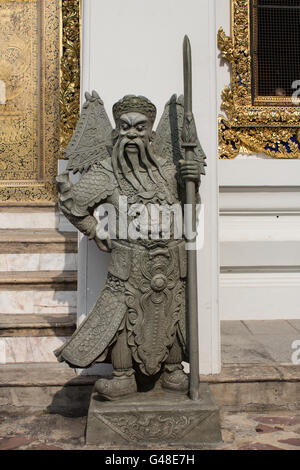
x=136, y=141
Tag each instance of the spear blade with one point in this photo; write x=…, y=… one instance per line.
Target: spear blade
x=187, y=74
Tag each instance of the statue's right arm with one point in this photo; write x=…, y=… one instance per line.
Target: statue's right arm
x=77, y=201
x=85, y=223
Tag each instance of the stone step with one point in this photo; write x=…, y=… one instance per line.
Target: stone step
x=37, y=241
x=38, y=262
x=56, y=388
x=53, y=387
x=38, y=280
x=256, y=387
x=37, y=325
x=29, y=349
x=18, y=216
x=41, y=301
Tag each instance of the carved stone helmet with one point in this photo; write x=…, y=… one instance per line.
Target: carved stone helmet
x=134, y=104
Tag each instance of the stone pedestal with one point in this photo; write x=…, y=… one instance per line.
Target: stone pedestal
x=156, y=417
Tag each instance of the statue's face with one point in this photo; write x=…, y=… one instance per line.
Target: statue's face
x=134, y=126
x=132, y=151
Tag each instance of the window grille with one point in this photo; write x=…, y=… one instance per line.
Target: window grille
x=275, y=50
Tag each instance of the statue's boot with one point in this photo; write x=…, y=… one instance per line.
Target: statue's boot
x=175, y=380
x=122, y=383
x=173, y=377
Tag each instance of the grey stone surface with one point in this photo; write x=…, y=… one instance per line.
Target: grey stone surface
x=234, y=328
x=258, y=342
x=156, y=417
x=279, y=347
x=295, y=324
x=257, y=396
x=244, y=349
x=270, y=327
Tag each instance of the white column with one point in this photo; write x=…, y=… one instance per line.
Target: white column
x=135, y=47
x=208, y=258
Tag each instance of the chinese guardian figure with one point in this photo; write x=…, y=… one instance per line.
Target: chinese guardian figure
x=138, y=322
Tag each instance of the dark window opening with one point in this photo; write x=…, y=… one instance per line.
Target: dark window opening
x=275, y=49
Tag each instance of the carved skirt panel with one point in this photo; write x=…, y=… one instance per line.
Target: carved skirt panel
x=155, y=296
x=98, y=331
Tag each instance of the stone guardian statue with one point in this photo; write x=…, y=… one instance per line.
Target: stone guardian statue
x=138, y=322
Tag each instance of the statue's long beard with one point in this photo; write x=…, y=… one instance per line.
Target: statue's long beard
x=128, y=165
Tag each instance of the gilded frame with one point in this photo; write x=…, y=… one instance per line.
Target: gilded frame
x=250, y=128
x=56, y=51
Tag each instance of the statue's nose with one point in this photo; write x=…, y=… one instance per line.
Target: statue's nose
x=131, y=134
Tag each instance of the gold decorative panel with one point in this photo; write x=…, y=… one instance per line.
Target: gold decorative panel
x=70, y=71
x=30, y=94
x=272, y=128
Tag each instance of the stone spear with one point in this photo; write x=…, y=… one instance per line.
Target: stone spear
x=189, y=139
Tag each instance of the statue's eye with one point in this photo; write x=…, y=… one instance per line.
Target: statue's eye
x=140, y=127
x=125, y=127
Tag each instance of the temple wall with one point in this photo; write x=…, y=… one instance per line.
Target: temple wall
x=259, y=226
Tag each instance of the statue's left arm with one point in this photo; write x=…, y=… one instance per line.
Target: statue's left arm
x=168, y=140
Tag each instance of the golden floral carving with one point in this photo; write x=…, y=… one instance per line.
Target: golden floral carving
x=271, y=130
x=278, y=142
x=30, y=64
x=70, y=71
x=225, y=44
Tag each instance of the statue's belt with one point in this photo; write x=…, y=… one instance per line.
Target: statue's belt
x=123, y=254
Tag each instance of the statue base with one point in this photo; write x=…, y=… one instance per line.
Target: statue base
x=156, y=417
